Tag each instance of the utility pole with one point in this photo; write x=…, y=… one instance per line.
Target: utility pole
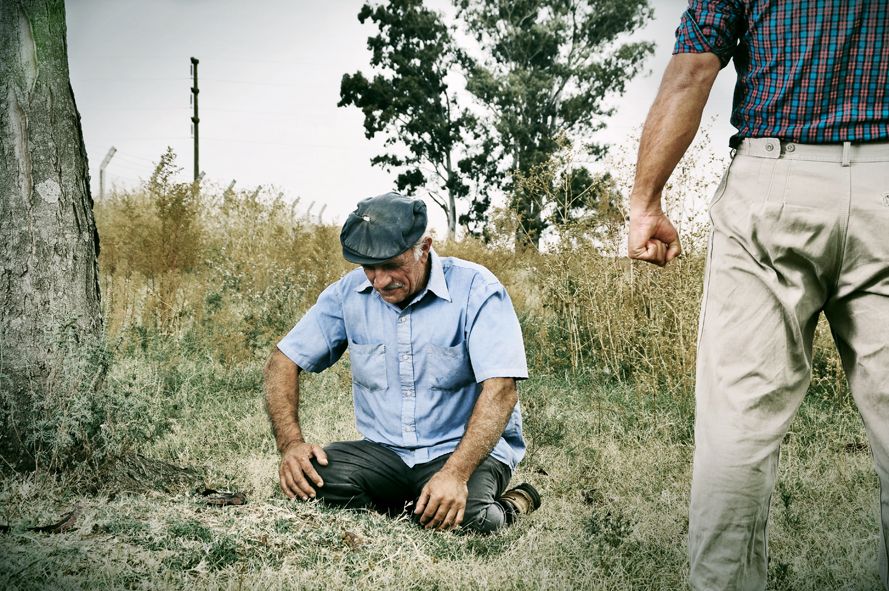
x=102, y=168
x=195, y=120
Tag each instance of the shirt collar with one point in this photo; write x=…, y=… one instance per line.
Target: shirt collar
x=364, y=285
x=436, y=283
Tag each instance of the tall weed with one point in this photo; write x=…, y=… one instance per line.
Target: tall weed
x=250, y=265
x=223, y=274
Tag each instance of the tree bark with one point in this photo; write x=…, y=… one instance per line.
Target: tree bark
x=48, y=241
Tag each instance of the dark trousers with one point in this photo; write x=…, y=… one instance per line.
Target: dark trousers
x=363, y=474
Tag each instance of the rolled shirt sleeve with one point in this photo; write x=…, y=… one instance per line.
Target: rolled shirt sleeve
x=495, y=345
x=711, y=26
x=319, y=339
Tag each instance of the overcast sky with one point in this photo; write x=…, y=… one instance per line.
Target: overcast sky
x=269, y=78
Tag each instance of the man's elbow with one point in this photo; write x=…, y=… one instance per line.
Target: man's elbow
x=277, y=364
x=512, y=397
x=507, y=393
x=692, y=71
x=270, y=364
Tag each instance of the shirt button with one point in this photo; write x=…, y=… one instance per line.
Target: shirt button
x=402, y=320
x=790, y=147
x=769, y=147
x=408, y=428
x=405, y=357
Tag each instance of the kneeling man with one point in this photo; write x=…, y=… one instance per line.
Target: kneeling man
x=435, y=350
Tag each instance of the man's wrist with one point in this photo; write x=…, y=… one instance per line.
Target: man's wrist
x=645, y=196
x=456, y=471
x=282, y=449
x=646, y=207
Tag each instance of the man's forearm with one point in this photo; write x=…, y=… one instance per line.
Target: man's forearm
x=282, y=399
x=671, y=124
x=489, y=417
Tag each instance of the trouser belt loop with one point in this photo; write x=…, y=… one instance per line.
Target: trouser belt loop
x=847, y=148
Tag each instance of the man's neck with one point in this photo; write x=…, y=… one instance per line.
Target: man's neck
x=427, y=272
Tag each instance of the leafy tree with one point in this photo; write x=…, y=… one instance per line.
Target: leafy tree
x=409, y=101
x=544, y=70
x=571, y=198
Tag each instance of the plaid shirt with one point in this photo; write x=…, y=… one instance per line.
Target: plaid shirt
x=811, y=71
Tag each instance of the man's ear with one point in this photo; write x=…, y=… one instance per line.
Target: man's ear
x=427, y=244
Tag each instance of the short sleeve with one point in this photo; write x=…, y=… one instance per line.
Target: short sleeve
x=496, y=348
x=319, y=339
x=711, y=26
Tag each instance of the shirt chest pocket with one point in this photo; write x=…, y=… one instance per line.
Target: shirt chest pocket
x=369, y=366
x=449, y=367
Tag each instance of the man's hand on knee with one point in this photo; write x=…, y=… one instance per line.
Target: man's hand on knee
x=442, y=501
x=296, y=471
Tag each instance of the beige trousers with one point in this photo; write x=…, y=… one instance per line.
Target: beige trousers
x=797, y=229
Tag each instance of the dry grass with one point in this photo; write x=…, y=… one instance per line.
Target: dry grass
x=608, y=418
x=613, y=468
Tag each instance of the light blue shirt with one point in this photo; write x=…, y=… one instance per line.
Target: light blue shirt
x=417, y=372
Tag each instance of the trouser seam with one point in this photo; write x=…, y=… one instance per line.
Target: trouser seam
x=706, y=296
x=845, y=240
x=884, y=535
x=721, y=191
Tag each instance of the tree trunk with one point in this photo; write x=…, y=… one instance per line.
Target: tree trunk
x=530, y=224
x=48, y=241
x=452, y=216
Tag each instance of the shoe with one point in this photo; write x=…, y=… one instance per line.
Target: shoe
x=520, y=500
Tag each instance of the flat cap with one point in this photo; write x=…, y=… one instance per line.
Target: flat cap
x=382, y=227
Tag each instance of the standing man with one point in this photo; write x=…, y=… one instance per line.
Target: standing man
x=435, y=350
x=800, y=226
